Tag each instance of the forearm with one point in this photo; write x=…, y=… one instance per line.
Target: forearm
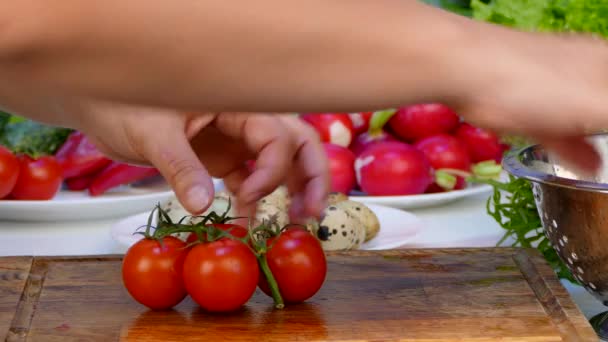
x=271, y=55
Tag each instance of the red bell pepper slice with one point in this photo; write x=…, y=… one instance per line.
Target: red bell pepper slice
x=80, y=183
x=117, y=174
x=79, y=157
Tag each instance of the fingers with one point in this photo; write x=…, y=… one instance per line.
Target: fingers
x=267, y=137
x=576, y=153
x=309, y=183
x=169, y=150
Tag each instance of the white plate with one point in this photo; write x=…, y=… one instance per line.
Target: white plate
x=397, y=228
x=78, y=205
x=424, y=200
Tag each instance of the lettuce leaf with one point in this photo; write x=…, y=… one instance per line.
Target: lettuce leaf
x=589, y=16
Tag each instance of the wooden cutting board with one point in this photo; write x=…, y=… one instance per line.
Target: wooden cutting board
x=498, y=294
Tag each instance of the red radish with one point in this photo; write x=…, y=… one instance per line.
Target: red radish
x=364, y=140
x=446, y=152
x=341, y=168
x=360, y=121
x=419, y=121
x=375, y=134
x=482, y=144
x=393, y=168
x=335, y=128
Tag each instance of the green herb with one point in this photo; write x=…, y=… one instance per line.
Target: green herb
x=30, y=137
x=462, y=7
x=589, y=16
x=512, y=205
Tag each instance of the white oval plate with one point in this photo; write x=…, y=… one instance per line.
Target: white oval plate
x=424, y=200
x=78, y=205
x=397, y=228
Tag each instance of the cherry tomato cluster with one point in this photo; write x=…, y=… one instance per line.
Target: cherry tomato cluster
x=221, y=264
x=423, y=148
x=23, y=177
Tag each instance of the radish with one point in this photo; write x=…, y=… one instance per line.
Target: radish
x=393, y=168
x=375, y=134
x=482, y=144
x=419, y=121
x=335, y=128
x=448, y=155
x=341, y=168
x=360, y=121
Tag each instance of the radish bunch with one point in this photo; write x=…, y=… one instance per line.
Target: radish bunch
x=423, y=148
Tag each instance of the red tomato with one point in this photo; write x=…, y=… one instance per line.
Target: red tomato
x=221, y=275
x=298, y=264
x=341, y=168
x=152, y=273
x=423, y=120
x=335, y=128
x=235, y=230
x=482, y=144
x=39, y=179
x=9, y=171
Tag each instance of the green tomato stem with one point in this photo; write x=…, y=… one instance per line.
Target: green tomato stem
x=378, y=120
x=274, y=288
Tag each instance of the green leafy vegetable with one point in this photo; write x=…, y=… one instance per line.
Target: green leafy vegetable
x=589, y=16
x=512, y=205
x=462, y=7
x=30, y=137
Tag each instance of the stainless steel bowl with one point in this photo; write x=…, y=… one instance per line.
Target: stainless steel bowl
x=574, y=212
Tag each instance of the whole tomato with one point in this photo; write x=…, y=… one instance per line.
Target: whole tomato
x=234, y=229
x=9, y=171
x=152, y=272
x=222, y=275
x=39, y=179
x=298, y=265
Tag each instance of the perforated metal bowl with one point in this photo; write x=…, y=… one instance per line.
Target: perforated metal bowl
x=574, y=213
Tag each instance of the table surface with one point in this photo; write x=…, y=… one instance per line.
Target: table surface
x=463, y=223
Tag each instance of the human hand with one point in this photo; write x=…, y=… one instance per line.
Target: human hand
x=190, y=148
x=551, y=88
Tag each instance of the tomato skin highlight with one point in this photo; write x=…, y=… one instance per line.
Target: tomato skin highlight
x=152, y=274
x=39, y=179
x=221, y=276
x=9, y=171
x=298, y=264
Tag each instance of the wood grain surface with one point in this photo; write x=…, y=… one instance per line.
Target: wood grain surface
x=498, y=294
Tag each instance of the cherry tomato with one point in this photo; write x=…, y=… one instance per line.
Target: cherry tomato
x=221, y=275
x=39, y=179
x=152, y=272
x=9, y=171
x=298, y=264
x=235, y=230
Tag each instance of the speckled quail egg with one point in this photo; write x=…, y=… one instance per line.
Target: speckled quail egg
x=338, y=229
x=365, y=215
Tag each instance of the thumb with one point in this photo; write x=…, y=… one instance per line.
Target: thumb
x=172, y=154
